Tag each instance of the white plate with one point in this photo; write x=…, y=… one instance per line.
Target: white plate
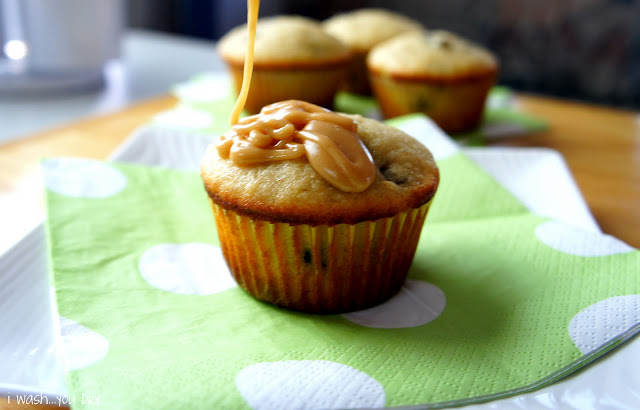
x=29, y=361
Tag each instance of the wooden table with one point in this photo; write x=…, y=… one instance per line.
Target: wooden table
x=601, y=146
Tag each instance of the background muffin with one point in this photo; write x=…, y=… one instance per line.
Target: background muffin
x=361, y=30
x=437, y=73
x=294, y=59
x=292, y=239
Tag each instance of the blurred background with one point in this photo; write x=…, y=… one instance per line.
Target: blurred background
x=579, y=49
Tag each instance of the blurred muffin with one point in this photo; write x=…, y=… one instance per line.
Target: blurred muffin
x=330, y=229
x=361, y=30
x=437, y=73
x=294, y=59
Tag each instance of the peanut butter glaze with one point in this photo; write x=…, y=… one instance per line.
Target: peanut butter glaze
x=292, y=129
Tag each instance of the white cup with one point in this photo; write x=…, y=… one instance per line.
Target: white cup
x=59, y=39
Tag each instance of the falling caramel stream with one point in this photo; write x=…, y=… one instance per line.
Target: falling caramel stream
x=252, y=21
x=292, y=129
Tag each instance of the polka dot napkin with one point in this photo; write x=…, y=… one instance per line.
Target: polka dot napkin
x=499, y=300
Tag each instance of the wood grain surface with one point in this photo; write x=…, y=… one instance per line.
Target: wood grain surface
x=602, y=148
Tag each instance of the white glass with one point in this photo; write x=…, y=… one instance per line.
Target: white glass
x=57, y=44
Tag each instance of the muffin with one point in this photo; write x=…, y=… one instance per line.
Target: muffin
x=361, y=30
x=436, y=73
x=293, y=59
x=331, y=223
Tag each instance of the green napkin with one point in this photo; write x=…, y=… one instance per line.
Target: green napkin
x=206, y=101
x=498, y=301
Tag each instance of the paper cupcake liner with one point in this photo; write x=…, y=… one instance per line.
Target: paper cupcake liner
x=315, y=85
x=320, y=269
x=455, y=107
x=357, y=79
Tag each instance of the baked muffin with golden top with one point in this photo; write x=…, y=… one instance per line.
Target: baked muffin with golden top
x=361, y=30
x=293, y=59
x=318, y=211
x=436, y=73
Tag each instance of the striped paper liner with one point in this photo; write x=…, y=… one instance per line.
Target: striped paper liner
x=320, y=269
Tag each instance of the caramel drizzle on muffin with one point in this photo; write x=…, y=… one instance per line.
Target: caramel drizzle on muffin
x=292, y=129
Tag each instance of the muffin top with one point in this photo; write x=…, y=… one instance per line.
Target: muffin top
x=404, y=176
x=284, y=41
x=431, y=54
x=363, y=29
